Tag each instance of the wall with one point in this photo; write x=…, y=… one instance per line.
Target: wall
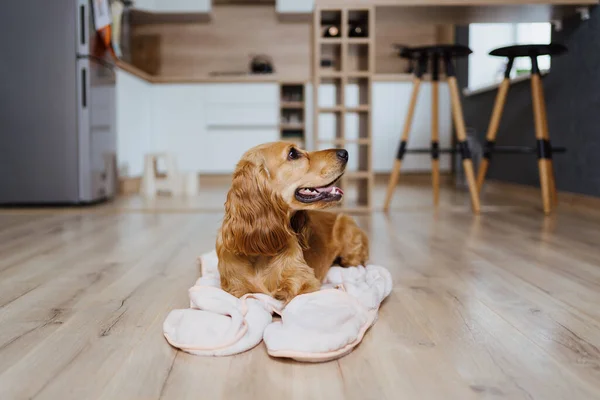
x=225, y=43
x=394, y=26
x=573, y=99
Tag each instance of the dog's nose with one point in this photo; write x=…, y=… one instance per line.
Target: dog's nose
x=342, y=155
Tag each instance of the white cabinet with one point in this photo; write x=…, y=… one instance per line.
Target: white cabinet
x=179, y=123
x=207, y=127
x=295, y=6
x=225, y=146
x=174, y=6
x=135, y=109
x=242, y=115
x=239, y=116
x=390, y=104
x=243, y=93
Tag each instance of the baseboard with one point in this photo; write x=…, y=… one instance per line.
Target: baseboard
x=129, y=185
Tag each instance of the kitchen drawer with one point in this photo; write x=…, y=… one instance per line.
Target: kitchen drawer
x=242, y=93
x=225, y=147
x=242, y=115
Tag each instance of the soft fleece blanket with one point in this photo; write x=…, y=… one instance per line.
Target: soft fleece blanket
x=314, y=327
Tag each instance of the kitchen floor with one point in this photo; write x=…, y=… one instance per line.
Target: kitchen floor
x=504, y=305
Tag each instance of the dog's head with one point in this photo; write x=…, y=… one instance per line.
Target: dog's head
x=270, y=182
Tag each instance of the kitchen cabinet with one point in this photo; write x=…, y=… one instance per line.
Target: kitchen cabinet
x=174, y=6
x=295, y=6
x=239, y=116
x=135, y=109
x=225, y=146
x=207, y=127
x=179, y=123
x=246, y=93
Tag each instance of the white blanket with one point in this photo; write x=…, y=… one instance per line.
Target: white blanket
x=319, y=326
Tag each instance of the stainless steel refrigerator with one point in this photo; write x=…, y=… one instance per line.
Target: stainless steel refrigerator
x=57, y=105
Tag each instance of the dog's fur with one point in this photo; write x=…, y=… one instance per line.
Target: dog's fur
x=272, y=243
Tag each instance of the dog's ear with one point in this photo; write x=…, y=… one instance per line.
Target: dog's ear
x=256, y=218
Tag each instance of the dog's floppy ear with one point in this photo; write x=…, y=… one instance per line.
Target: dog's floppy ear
x=256, y=218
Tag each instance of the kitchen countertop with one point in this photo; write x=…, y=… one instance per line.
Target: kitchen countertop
x=267, y=78
x=208, y=79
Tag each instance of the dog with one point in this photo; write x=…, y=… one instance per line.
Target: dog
x=274, y=238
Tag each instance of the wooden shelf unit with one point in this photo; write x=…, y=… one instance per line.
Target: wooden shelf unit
x=347, y=63
x=292, y=114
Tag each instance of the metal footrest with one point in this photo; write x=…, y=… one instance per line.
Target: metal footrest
x=497, y=149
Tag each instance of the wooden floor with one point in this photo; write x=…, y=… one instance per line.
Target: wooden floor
x=505, y=305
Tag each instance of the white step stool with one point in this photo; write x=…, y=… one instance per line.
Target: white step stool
x=172, y=181
x=153, y=183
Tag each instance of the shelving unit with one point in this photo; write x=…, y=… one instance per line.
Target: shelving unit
x=343, y=69
x=292, y=112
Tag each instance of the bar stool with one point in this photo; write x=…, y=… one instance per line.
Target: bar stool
x=544, y=148
x=421, y=57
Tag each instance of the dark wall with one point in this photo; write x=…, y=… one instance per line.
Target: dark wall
x=572, y=92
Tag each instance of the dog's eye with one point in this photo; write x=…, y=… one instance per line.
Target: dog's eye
x=293, y=154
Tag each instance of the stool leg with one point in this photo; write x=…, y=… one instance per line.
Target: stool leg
x=435, y=132
x=461, y=133
x=551, y=176
x=494, y=124
x=402, y=148
x=544, y=158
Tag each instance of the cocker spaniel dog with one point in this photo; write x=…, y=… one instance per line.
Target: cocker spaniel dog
x=273, y=239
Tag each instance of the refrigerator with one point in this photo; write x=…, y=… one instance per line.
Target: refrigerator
x=57, y=105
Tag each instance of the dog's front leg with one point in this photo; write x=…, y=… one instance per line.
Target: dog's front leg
x=289, y=275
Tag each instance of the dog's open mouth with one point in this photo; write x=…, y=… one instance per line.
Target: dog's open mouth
x=323, y=193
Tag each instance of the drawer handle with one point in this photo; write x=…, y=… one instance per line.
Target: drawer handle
x=240, y=126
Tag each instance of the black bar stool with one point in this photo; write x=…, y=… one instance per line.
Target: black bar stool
x=421, y=56
x=544, y=148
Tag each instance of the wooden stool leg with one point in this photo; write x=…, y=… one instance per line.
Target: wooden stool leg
x=402, y=149
x=551, y=176
x=461, y=133
x=544, y=162
x=494, y=125
x=435, y=132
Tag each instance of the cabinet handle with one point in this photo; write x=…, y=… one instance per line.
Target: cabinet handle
x=82, y=24
x=240, y=126
x=83, y=88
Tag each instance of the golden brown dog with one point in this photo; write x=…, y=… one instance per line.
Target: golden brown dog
x=273, y=240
